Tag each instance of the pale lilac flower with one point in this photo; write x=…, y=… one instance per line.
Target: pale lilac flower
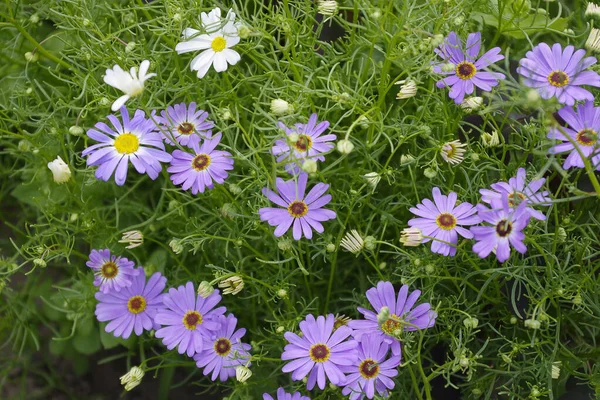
x=184, y=124
x=518, y=191
x=188, y=319
x=402, y=315
x=132, y=309
x=583, y=128
x=135, y=140
x=320, y=352
x=373, y=371
x=307, y=143
x=504, y=229
x=305, y=213
x=559, y=73
x=468, y=70
x=111, y=273
x=443, y=220
x=283, y=395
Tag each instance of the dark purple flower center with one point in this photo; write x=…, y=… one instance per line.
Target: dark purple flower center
x=446, y=221
x=558, y=78
x=298, y=209
x=185, y=128
x=222, y=347
x=109, y=270
x=503, y=228
x=466, y=70
x=587, y=137
x=319, y=352
x=201, y=162
x=191, y=319
x=136, y=304
x=368, y=368
x=303, y=143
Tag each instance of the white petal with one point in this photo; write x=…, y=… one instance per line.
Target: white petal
x=220, y=62
x=203, y=69
x=206, y=57
x=231, y=56
x=201, y=42
x=145, y=78
x=189, y=33
x=118, y=103
x=144, y=68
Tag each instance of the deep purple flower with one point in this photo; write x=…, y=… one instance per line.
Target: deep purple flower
x=225, y=351
x=559, y=73
x=320, y=351
x=506, y=224
x=468, y=69
x=132, y=309
x=402, y=316
x=282, y=395
x=189, y=319
x=111, y=273
x=583, y=128
x=199, y=171
x=517, y=191
x=373, y=369
x=306, y=143
x=442, y=220
x=135, y=140
x=184, y=124
x=306, y=213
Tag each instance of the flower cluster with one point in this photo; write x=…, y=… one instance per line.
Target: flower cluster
x=181, y=318
x=356, y=354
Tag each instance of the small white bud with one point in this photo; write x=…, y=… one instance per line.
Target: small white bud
x=242, y=373
x=232, y=285
x=490, y=139
x=132, y=238
x=372, y=179
x=31, y=57
x=130, y=47
x=309, y=166
x=38, y=262
x=345, y=146
x=448, y=67
x=556, y=369
x=280, y=107
x=34, y=18
x=330, y=247
x=327, y=8
x=76, y=130
x=280, y=329
x=282, y=293
x=471, y=104
x=406, y=159
x=471, y=322
x=383, y=315
x=411, y=237
x=205, y=289
x=132, y=378
x=176, y=246
x=60, y=170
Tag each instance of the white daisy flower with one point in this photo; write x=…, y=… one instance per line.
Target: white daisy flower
x=129, y=83
x=221, y=35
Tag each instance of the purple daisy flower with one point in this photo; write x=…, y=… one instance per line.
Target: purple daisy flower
x=442, y=220
x=134, y=140
x=282, y=395
x=111, y=273
x=184, y=124
x=201, y=170
x=468, y=69
x=225, y=351
x=559, y=73
x=372, y=371
x=303, y=141
x=506, y=224
x=132, y=309
x=306, y=213
x=402, y=316
x=321, y=351
x=517, y=191
x=189, y=319
x=583, y=128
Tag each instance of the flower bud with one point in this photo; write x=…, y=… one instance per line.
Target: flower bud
x=242, y=373
x=370, y=243
x=133, y=239
x=176, y=246
x=383, y=315
x=76, y=130
x=132, y=378
x=232, y=285
x=309, y=166
x=280, y=107
x=130, y=47
x=31, y=57
x=205, y=289
x=411, y=237
x=345, y=146
x=60, y=170
x=372, y=179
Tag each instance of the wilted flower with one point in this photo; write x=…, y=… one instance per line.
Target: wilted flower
x=490, y=139
x=280, y=107
x=242, y=373
x=232, y=285
x=134, y=238
x=411, y=237
x=592, y=10
x=593, y=41
x=453, y=152
x=556, y=369
x=129, y=83
x=471, y=104
x=408, y=89
x=327, y=8
x=60, y=170
x=132, y=378
x=176, y=246
x=352, y=242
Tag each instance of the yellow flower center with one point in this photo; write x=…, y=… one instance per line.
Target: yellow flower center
x=465, y=70
x=218, y=44
x=127, y=143
x=511, y=198
x=136, y=304
x=109, y=270
x=446, y=221
x=222, y=347
x=185, y=128
x=303, y=144
x=201, y=162
x=587, y=137
x=319, y=353
x=391, y=325
x=368, y=368
x=191, y=319
x=558, y=78
x=298, y=209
